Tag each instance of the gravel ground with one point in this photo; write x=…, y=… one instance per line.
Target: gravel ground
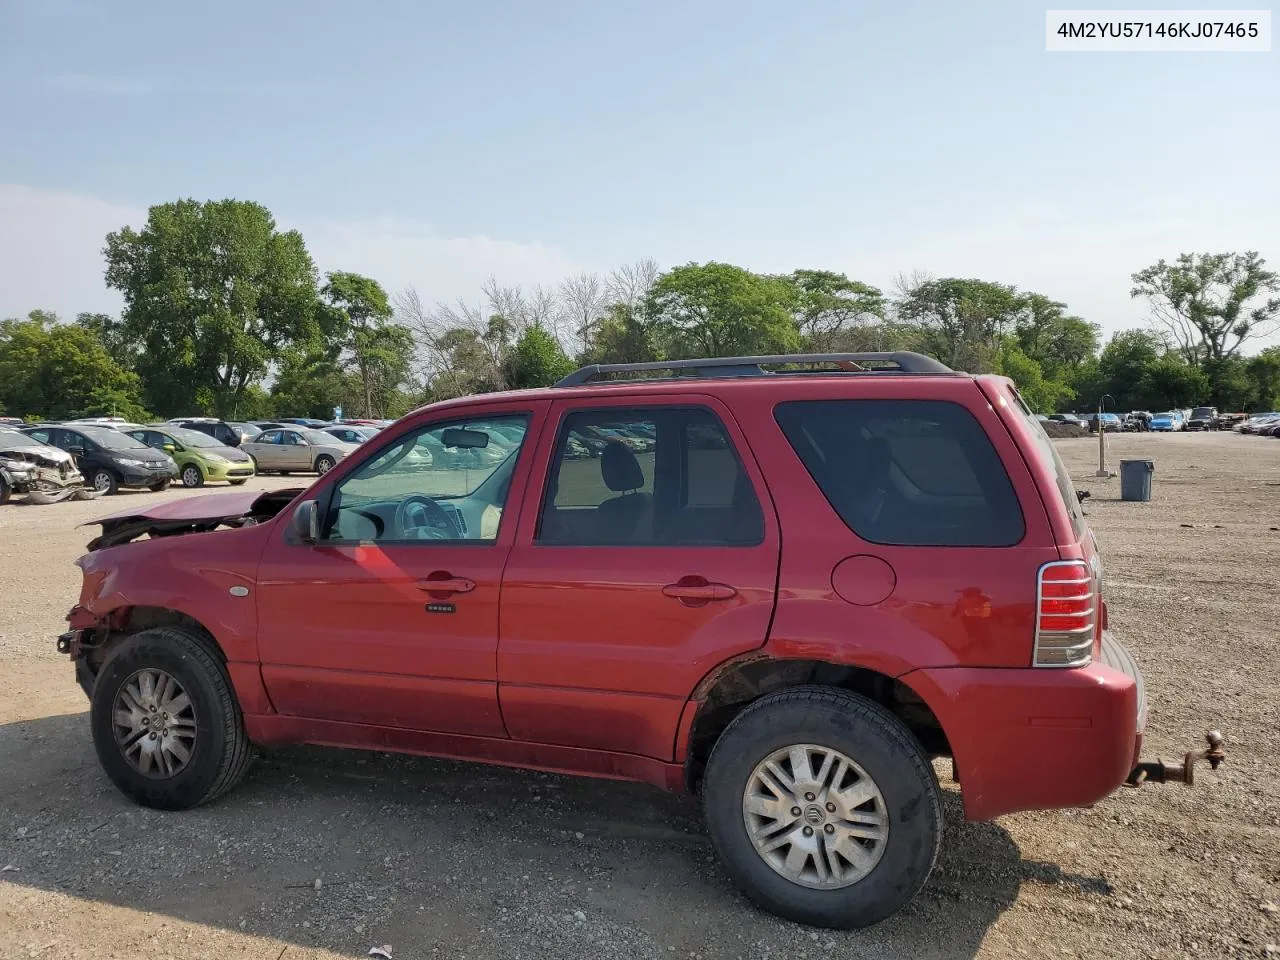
x=327, y=853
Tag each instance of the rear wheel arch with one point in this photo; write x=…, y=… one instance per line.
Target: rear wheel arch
x=734, y=686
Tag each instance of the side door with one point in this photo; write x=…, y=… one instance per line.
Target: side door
x=295, y=452
x=640, y=564
x=391, y=617
x=265, y=449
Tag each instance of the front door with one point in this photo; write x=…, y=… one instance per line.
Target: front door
x=391, y=618
x=652, y=557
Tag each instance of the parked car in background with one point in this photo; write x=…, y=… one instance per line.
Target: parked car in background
x=1070, y=418
x=12, y=422
x=1110, y=422
x=1167, y=422
x=108, y=458
x=1137, y=421
x=351, y=434
x=35, y=470
x=220, y=430
x=1203, y=418
x=297, y=450
x=1252, y=424
x=199, y=457
x=270, y=425
x=303, y=421
x=1229, y=421
x=938, y=595
x=247, y=431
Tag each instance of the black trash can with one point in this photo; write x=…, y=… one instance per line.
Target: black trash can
x=1135, y=479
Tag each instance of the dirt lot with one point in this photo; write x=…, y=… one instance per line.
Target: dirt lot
x=327, y=853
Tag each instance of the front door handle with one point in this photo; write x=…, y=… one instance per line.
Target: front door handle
x=698, y=590
x=443, y=583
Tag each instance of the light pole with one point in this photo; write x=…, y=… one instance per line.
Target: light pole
x=1102, y=436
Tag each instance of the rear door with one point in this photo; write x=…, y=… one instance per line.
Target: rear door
x=639, y=565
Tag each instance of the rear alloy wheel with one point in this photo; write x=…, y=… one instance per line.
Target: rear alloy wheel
x=324, y=464
x=166, y=725
x=192, y=476
x=823, y=807
x=105, y=482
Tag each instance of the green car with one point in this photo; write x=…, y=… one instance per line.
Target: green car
x=199, y=456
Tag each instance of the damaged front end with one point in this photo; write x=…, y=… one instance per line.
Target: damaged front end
x=192, y=515
x=41, y=473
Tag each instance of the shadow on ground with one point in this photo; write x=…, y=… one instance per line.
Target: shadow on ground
x=428, y=855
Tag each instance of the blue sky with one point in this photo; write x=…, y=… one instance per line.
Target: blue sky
x=433, y=144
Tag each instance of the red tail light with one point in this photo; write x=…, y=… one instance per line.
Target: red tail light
x=1066, y=614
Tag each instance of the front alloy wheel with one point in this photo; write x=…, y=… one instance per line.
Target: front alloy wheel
x=105, y=483
x=191, y=476
x=155, y=724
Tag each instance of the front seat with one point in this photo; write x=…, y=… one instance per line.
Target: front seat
x=618, y=519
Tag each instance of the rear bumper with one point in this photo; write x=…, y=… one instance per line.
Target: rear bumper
x=1039, y=739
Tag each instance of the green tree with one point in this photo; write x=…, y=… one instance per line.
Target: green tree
x=537, y=360
x=1171, y=382
x=58, y=371
x=622, y=335
x=719, y=310
x=964, y=320
x=1122, y=366
x=214, y=295
x=1057, y=341
x=1211, y=304
x=369, y=343
x=1264, y=371
x=829, y=304
x=1041, y=394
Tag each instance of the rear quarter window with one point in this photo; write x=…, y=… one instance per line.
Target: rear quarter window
x=906, y=472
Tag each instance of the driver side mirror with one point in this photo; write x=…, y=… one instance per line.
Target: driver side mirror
x=170, y=448
x=76, y=451
x=306, y=522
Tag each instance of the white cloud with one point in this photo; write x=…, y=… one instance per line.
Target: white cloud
x=51, y=253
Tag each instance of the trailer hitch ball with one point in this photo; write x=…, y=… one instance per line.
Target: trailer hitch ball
x=1162, y=771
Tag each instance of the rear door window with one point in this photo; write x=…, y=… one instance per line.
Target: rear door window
x=906, y=472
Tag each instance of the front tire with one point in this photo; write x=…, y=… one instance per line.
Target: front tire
x=192, y=476
x=238, y=483
x=105, y=482
x=159, y=487
x=869, y=822
x=166, y=725
x=5, y=492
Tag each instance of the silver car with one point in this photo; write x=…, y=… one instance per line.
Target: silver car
x=297, y=450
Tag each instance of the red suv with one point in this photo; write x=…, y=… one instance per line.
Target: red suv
x=787, y=583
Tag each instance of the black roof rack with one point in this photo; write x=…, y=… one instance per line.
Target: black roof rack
x=898, y=361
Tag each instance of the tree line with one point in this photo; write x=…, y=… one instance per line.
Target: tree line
x=226, y=314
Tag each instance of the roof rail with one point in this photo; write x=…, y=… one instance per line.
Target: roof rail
x=898, y=361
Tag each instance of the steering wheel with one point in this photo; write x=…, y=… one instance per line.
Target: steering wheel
x=421, y=518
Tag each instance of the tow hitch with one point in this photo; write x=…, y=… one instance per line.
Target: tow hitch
x=1161, y=771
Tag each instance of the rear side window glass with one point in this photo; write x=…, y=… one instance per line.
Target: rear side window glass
x=1048, y=453
x=906, y=472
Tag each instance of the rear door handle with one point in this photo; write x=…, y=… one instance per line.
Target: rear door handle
x=446, y=584
x=698, y=591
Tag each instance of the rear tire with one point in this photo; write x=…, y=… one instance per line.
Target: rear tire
x=891, y=838
x=324, y=464
x=218, y=751
x=160, y=487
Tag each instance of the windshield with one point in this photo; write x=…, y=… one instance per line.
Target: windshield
x=244, y=428
x=193, y=438
x=1202, y=412
x=112, y=440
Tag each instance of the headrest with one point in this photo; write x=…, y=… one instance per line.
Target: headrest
x=620, y=469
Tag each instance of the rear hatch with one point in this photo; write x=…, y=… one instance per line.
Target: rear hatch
x=1075, y=541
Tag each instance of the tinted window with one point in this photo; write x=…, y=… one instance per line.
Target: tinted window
x=656, y=476
x=268, y=436
x=908, y=472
